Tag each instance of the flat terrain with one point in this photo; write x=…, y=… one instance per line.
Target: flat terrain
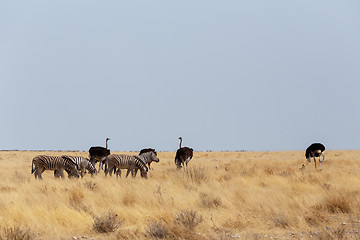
x=223, y=195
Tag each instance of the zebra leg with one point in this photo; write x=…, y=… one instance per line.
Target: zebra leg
x=127, y=173
x=136, y=170
x=100, y=166
x=38, y=173
x=118, y=173
x=82, y=171
x=61, y=173
x=56, y=174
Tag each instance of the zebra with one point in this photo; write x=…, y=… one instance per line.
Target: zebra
x=128, y=162
x=82, y=163
x=315, y=150
x=58, y=163
x=145, y=150
x=147, y=158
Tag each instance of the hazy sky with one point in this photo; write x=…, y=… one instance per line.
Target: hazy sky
x=224, y=75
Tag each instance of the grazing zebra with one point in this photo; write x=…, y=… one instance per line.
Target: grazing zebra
x=98, y=154
x=147, y=158
x=82, y=163
x=58, y=163
x=114, y=161
x=315, y=150
x=183, y=156
x=145, y=150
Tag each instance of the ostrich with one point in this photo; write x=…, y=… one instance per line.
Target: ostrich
x=98, y=154
x=183, y=156
x=315, y=150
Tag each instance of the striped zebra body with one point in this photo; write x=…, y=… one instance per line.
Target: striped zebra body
x=82, y=163
x=42, y=163
x=147, y=158
x=115, y=161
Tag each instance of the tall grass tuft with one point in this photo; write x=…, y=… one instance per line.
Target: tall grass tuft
x=338, y=204
x=197, y=174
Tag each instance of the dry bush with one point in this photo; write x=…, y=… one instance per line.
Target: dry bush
x=208, y=201
x=188, y=219
x=316, y=218
x=106, y=223
x=17, y=233
x=157, y=229
x=90, y=185
x=280, y=221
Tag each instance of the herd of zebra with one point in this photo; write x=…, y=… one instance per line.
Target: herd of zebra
x=115, y=162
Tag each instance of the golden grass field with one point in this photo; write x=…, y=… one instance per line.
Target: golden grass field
x=223, y=195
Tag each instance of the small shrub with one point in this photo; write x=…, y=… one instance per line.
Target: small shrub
x=209, y=201
x=17, y=233
x=90, y=185
x=157, y=229
x=280, y=221
x=106, y=223
x=188, y=219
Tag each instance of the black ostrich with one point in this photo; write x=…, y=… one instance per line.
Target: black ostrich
x=183, y=156
x=315, y=150
x=98, y=154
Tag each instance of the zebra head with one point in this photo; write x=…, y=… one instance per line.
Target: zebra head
x=73, y=168
x=91, y=168
x=153, y=157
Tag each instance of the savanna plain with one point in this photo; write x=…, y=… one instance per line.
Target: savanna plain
x=222, y=195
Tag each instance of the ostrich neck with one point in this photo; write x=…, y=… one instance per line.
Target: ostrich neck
x=107, y=144
x=180, y=142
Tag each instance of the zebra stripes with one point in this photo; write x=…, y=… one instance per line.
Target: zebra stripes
x=147, y=158
x=41, y=163
x=82, y=163
x=114, y=161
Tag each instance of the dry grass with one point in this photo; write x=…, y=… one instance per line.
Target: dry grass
x=223, y=195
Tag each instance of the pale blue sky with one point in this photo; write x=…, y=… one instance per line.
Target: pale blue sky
x=224, y=75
